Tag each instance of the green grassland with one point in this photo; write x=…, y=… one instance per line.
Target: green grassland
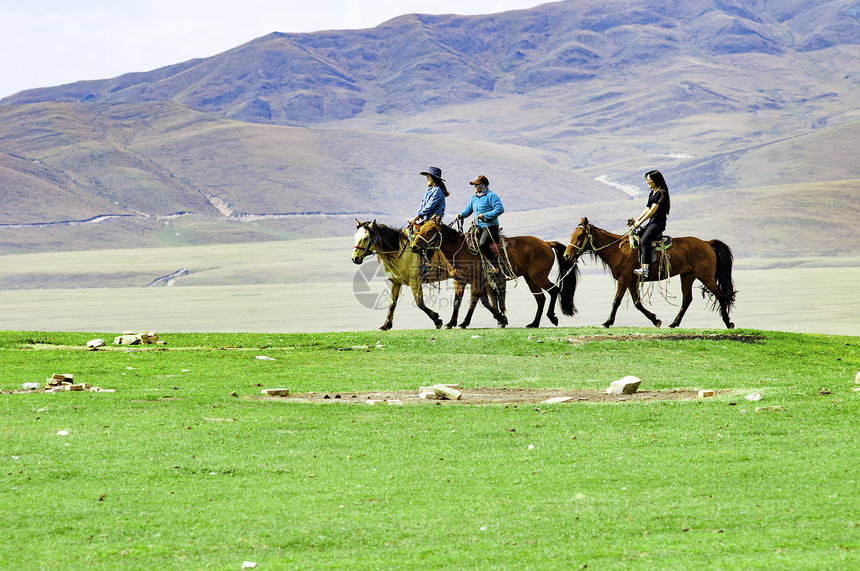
x=181, y=468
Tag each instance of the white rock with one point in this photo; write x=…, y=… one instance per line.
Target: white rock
x=857, y=378
x=92, y=344
x=556, y=400
x=249, y=565
x=753, y=397
x=704, y=393
x=446, y=392
x=276, y=392
x=62, y=433
x=264, y=358
x=31, y=385
x=626, y=386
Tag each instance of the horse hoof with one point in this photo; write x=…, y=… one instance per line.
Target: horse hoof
x=731, y=325
x=608, y=324
x=658, y=323
x=438, y=324
x=532, y=326
x=385, y=328
x=553, y=319
x=674, y=325
x=501, y=325
x=448, y=326
x=461, y=326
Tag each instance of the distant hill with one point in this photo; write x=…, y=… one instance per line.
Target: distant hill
x=562, y=106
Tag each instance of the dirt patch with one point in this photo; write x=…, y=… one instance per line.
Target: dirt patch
x=487, y=395
x=581, y=339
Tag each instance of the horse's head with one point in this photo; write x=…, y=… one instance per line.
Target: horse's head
x=363, y=240
x=428, y=235
x=579, y=241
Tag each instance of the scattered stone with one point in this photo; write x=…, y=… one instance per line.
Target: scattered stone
x=857, y=378
x=626, y=386
x=767, y=408
x=264, y=358
x=753, y=397
x=95, y=343
x=249, y=565
x=705, y=394
x=394, y=402
x=30, y=386
x=427, y=395
x=62, y=433
x=446, y=392
x=373, y=401
x=556, y=400
x=276, y=392
x=144, y=337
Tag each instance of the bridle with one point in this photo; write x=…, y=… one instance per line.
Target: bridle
x=589, y=241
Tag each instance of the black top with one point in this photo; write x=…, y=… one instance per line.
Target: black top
x=659, y=197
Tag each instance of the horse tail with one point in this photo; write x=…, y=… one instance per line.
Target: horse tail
x=723, y=275
x=568, y=273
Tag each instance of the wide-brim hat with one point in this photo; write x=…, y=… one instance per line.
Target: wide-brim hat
x=480, y=180
x=435, y=172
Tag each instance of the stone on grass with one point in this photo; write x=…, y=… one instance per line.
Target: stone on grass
x=626, y=386
x=857, y=378
x=704, y=393
x=753, y=397
x=447, y=392
x=276, y=392
x=556, y=400
x=95, y=343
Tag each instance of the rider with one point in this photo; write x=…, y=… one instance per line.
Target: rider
x=487, y=207
x=432, y=204
x=655, y=214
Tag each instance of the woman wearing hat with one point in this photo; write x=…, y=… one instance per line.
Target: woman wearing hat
x=433, y=202
x=487, y=208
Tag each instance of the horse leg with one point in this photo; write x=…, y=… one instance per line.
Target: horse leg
x=473, y=302
x=619, y=295
x=392, y=305
x=550, y=312
x=500, y=318
x=540, y=299
x=418, y=294
x=686, y=297
x=633, y=288
x=712, y=286
x=458, y=299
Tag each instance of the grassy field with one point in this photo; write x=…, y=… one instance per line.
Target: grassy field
x=184, y=468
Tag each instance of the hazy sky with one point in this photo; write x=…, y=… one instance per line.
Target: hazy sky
x=50, y=42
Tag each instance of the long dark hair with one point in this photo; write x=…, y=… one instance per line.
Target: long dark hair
x=441, y=184
x=657, y=177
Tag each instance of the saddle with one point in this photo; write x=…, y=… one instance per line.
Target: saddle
x=657, y=247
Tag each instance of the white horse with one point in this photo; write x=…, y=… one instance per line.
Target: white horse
x=402, y=267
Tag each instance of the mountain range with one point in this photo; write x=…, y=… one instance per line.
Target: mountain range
x=750, y=108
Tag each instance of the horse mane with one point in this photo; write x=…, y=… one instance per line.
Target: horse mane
x=449, y=235
x=389, y=238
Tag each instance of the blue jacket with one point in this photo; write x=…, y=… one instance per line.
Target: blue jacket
x=489, y=205
x=432, y=204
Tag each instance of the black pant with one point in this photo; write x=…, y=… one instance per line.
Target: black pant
x=650, y=233
x=489, y=234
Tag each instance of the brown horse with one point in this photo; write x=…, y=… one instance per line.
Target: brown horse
x=529, y=257
x=402, y=267
x=691, y=258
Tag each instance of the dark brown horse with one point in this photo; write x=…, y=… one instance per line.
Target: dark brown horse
x=527, y=256
x=691, y=258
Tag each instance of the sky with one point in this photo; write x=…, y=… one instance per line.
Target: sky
x=44, y=43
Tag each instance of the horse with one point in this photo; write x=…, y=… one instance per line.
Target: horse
x=691, y=258
x=402, y=267
x=528, y=257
